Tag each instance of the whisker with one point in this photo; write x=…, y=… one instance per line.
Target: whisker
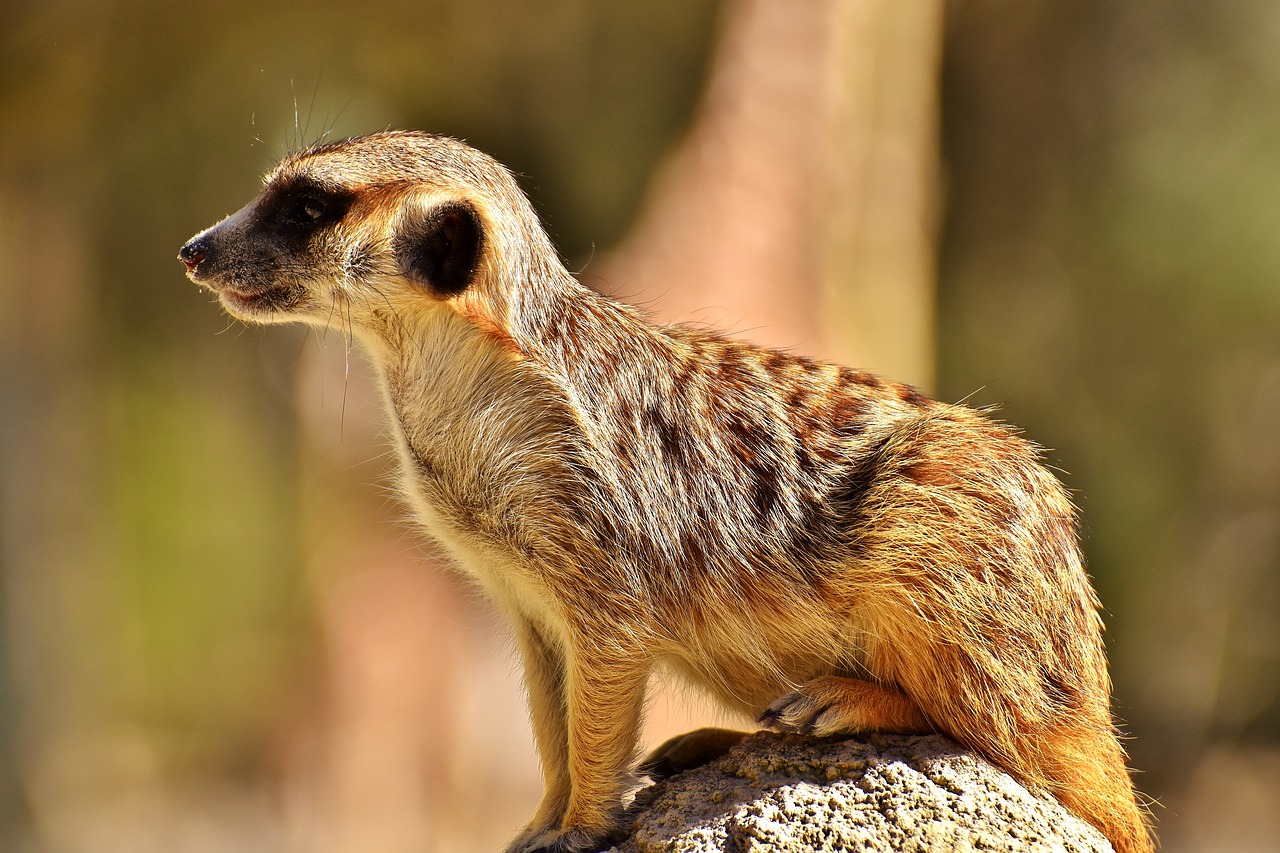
x=391, y=308
x=296, y=142
x=311, y=108
x=348, y=331
x=333, y=306
x=330, y=126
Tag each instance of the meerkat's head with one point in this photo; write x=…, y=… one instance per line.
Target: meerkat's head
x=357, y=230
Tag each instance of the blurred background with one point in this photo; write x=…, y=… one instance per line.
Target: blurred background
x=217, y=634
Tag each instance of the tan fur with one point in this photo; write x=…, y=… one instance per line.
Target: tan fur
x=807, y=543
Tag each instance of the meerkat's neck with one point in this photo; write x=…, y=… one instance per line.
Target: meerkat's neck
x=527, y=345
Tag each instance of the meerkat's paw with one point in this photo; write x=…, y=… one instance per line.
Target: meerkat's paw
x=830, y=705
x=803, y=713
x=687, y=751
x=561, y=841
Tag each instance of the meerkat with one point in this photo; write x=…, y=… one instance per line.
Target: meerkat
x=817, y=548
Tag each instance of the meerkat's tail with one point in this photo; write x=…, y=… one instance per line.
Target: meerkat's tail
x=1068, y=747
x=1084, y=767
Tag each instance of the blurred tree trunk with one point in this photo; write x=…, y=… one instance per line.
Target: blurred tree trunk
x=799, y=210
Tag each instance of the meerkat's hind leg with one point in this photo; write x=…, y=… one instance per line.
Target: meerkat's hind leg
x=832, y=704
x=688, y=751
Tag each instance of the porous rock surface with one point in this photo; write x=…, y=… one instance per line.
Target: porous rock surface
x=788, y=794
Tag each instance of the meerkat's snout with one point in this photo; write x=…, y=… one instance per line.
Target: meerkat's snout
x=192, y=253
x=269, y=261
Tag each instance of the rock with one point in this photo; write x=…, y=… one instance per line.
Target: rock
x=790, y=794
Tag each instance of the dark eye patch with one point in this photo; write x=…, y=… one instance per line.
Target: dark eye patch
x=300, y=207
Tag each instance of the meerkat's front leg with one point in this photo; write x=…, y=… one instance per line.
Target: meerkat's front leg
x=601, y=699
x=544, y=677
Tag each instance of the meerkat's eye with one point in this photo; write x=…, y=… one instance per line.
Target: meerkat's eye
x=306, y=210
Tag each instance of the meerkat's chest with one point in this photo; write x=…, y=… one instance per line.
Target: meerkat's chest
x=478, y=479
x=471, y=522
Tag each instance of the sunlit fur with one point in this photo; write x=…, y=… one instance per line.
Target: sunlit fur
x=805, y=542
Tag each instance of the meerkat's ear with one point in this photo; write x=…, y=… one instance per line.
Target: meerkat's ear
x=440, y=248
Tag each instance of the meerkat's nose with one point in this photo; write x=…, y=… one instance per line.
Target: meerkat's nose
x=193, y=253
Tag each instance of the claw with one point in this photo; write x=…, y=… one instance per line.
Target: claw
x=768, y=718
x=796, y=713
